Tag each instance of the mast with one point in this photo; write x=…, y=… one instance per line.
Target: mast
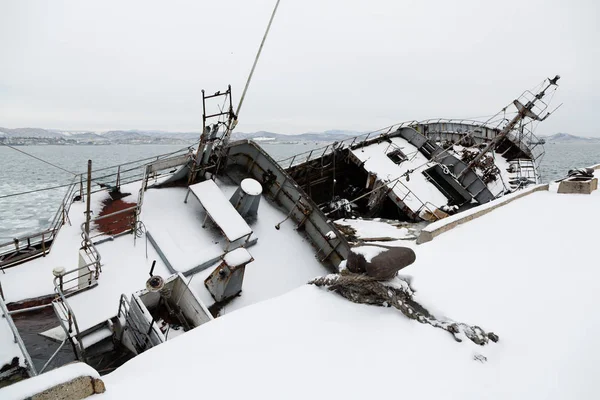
x=524, y=111
x=234, y=120
x=208, y=137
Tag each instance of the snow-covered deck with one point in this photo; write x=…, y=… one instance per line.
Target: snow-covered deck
x=528, y=271
x=420, y=190
x=177, y=229
x=34, y=278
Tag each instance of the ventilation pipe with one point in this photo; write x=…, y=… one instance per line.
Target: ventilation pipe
x=247, y=197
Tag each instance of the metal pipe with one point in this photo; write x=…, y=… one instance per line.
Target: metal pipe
x=53, y=355
x=28, y=309
x=17, y=338
x=89, y=200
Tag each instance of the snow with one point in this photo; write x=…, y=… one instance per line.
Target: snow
x=283, y=259
x=539, y=296
x=376, y=161
x=34, y=278
x=251, y=187
x=28, y=388
x=237, y=257
x=330, y=235
x=9, y=349
x=526, y=271
x=125, y=269
x=502, y=182
x=481, y=208
x=57, y=333
x=96, y=337
x=369, y=252
x=375, y=229
x=220, y=210
x=177, y=229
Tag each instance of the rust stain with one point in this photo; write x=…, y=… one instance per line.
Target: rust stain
x=117, y=223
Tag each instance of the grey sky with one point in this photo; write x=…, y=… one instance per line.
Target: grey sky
x=327, y=64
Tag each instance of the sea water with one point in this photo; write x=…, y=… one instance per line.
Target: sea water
x=29, y=213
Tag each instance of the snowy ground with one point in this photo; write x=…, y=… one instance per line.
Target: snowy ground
x=527, y=271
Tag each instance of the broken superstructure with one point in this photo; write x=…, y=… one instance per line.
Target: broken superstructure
x=425, y=170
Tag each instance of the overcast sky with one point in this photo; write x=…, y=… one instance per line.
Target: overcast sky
x=327, y=64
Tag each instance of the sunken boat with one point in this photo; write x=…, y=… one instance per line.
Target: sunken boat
x=426, y=170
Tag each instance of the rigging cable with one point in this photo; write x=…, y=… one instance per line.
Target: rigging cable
x=93, y=179
x=34, y=191
x=37, y=158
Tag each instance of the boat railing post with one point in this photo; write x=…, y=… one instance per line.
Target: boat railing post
x=365, y=139
x=309, y=154
x=89, y=194
x=292, y=162
x=81, y=186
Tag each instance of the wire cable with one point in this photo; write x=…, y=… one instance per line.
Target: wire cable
x=34, y=191
x=37, y=158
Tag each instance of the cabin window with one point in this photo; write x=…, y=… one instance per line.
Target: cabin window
x=397, y=156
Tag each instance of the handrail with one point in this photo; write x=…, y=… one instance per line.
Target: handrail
x=461, y=121
x=357, y=141
x=61, y=216
x=123, y=300
x=28, y=362
x=423, y=204
x=44, y=236
x=125, y=305
x=68, y=311
x=340, y=144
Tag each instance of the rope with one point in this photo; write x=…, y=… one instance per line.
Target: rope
x=95, y=179
x=37, y=158
x=34, y=191
x=363, y=289
x=146, y=159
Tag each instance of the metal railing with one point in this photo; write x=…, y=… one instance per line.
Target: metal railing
x=39, y=243
x=17, y=338
x=424, y=205
x=25, y=247
x=531, y=144
x=463, y=121
x=67, y=318
x=139, y=327
x=353, y=141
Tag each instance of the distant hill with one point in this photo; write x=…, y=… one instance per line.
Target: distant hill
x=302, y=137
x=153, y=136
x=567, y=138
x=30, y=133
